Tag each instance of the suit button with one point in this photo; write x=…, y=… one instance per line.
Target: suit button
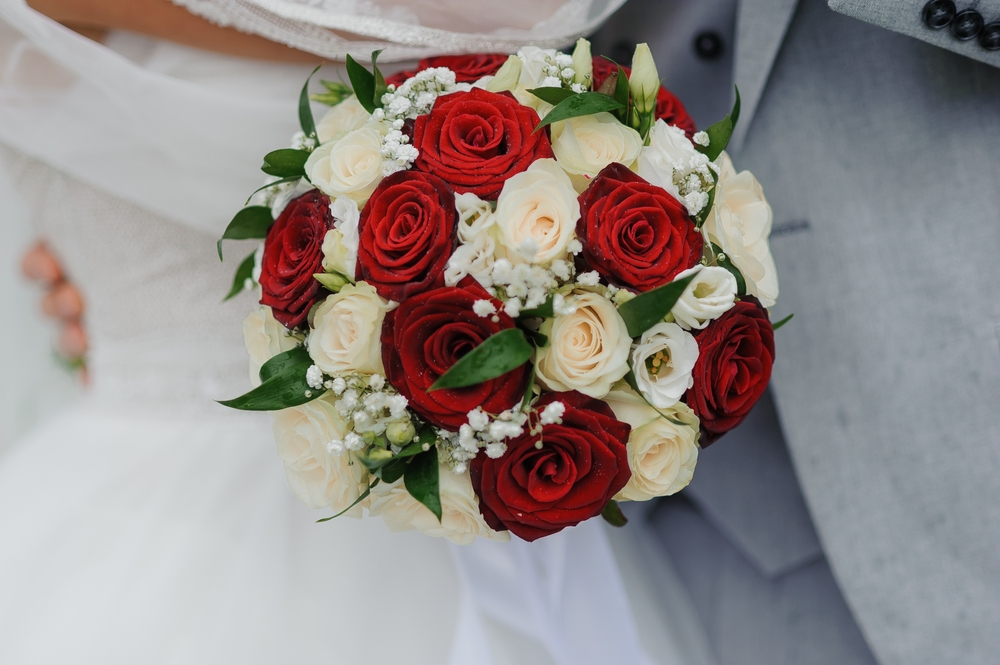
x=967, y=25
x=938, y=14
x=708, y=45
x=989, y=38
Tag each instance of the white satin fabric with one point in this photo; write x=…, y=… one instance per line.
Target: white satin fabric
x=149, y=524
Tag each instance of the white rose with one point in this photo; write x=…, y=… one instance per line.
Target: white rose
x=662, y=363
x=586, y=144
x=474, y=216
x=588, y=349
x=662, y=447
x=340, y=245
x=350, y=166
x=346, y=328
x=264, y=338
x=669, y=148
x=317, y=477
x=345, y=117
x=709, y=295
x=460, y=522
x=537, y=210
x=740, y=223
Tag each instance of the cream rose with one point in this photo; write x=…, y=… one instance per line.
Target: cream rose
x=587, y=144
x=341, y=119
x=588, y=349
x=709, y=295
x=264, y=338
x=662, y=447
x=346, y=328
x=536, y=215
x=740, y=223
x=317, y=477
x=460, y=522
x=350, y=166
x=662, y=363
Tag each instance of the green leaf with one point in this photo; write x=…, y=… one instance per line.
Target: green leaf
x=552, y=95
x=498, y=354
x=613, y=515
x=782, y=322
x=529, y=392
x=537, y=339
x=393, y=471
x=334, y=282
x=306, y=120
x=380, y=87
x=251, y=222
x=286, y=387
x=585, y=103
x=414, y=448
x=284, y=360
x=243, y=273
x=363, y=82
x=294, y=178
x=720, y=133
x=364, y=495
x=421, y=481
x=647, y=309
x=702, y=217
x=543, y=311
x=622, y=94
x=726, y=262
x=336, y=92
x=285, y=163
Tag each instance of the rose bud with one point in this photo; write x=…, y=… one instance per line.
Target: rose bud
x=644, y=83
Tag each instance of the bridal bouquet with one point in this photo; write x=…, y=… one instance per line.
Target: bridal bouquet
x=501, y=294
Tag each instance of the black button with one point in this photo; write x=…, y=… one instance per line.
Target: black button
x=989, y=38
x=967, y=25
x=938, y=14
x=708, y=45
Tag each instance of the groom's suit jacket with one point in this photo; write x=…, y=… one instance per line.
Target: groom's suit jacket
x=878, y=143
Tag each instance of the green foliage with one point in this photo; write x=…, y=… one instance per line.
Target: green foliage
x=543, y=311
x=251, y=222
x=782, y=322
x=584, y=103
x=649, y=308
x=285, y=385
x=306, y=120
x=368, y=87
x=498, y=354
x=364, y=495
x=422, y=482
x=336, y=92
x=243, y=273
x=285, y=163
x=720, y=133
x=613, y=515
x=553, y=96
x=726, y=262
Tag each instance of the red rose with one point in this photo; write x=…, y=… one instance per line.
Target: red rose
x=406, y=234
x=427, y=334
x=735, y=354
x=293, y=253
x=668, y=107
x=468, y=68
x=476, y=140
x=635, y=234
x=580, y=465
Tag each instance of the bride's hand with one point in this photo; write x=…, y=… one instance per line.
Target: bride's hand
x=62, y=301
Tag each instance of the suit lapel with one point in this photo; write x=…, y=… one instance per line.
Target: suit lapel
x=760, y=29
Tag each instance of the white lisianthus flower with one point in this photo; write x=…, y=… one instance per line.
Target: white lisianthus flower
x=583, y=63
x=474, y=216
x=318, y=477
x=346, y=327
x=586, y=144
x=264, y=338
x=507, y=76
x=350, y=166
x=740, y=224
x=644, y=82
x=662, y=362
x=588, y=349
x=662, y=447
x=710, y=294
x=341, y=119
x=340, y=245
x=538, y=210
x=669, y=149
x=474, y=258
x=460, y=522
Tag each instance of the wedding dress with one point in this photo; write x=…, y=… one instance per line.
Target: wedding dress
x=150, y=525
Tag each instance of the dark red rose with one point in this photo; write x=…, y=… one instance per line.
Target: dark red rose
x=581, y=464
x=476, y=140
x=635, y=234
x=668, y=107
x=468, y=68
x=735, y=354
x=293, y=253
x=406, y=234
x=427, y=334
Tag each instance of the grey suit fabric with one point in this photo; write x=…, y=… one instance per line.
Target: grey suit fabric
x=885, y=152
